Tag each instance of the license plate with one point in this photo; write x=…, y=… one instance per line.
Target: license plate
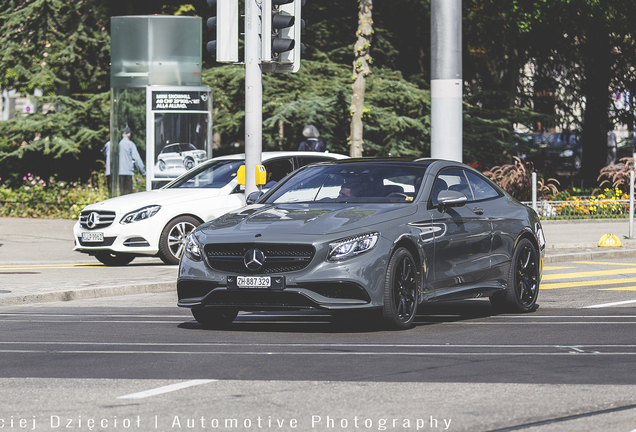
x=92, y=237
x=256, y=282
x=253, y=281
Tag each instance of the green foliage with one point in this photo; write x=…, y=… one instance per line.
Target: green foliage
x=65, y=141
x=53, y=45
x=50, y=198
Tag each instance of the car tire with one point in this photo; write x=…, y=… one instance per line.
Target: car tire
x=173, y=238
x=214, y=317
x=400, y=291
x=188, y=163
x=523, y=281
x=162, y=165
x=113, y=259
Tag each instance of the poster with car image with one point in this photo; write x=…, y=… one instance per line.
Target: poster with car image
x=180, y=136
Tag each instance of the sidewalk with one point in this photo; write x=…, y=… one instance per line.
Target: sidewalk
x=37, y=263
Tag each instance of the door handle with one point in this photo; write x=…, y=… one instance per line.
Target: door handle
x=478, y=211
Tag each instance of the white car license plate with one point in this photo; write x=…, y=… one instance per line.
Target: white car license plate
x=92, y=237
x=253, y=281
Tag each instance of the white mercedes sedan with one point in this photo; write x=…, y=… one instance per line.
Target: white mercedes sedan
x=158, y=222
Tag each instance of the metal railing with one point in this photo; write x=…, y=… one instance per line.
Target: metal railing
x=586, y=207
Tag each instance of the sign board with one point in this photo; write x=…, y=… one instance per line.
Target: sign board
x=179, y=125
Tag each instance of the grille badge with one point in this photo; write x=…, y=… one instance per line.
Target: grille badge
x=254, y=259
x=92, y=220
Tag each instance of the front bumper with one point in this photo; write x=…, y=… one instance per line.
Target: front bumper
x=356, y=283
x=139, y=238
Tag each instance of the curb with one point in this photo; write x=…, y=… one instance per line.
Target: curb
x=589, y=255
x=89, y=293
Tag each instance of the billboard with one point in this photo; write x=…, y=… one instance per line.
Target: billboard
x=179, y=128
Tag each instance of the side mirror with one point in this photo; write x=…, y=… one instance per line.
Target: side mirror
x=253, y=197
x=449, y=198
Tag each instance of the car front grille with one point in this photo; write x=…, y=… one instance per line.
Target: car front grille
x=279, y=258
x=102, y=218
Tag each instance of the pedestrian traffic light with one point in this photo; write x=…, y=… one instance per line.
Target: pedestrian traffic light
x=280, y=35
x=226, y=23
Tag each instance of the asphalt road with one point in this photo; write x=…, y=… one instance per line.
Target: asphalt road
x=138, y=362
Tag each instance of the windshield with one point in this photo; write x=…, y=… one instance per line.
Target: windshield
x=215, y=174
x=362, y=182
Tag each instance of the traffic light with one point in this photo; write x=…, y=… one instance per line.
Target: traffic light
x=226, y=24
x=280, y=35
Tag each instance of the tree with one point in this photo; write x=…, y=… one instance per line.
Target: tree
x=361, y=69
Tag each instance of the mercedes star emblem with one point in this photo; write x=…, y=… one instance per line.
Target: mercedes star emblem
x=92, y=220
x=254, y=259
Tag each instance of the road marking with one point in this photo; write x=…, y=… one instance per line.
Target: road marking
x=589, y=274
x=557, y=268
x=52, y=266
x=166, y=389
x=610, y=304
x=603, y=263
x=586, y=283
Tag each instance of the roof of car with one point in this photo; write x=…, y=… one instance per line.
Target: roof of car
x=274, y=154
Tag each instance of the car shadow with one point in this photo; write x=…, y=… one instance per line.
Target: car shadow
x=321, y=322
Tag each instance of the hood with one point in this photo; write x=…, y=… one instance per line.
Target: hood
x=302, y=219
x=163, y=197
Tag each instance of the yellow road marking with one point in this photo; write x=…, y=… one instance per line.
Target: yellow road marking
x=586, y=283
x=602, y=263
x=556, y=268
x=589, y=274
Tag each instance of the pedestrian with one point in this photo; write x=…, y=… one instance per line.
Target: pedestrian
x=106, y=152
x=311, y=143
x=611, y=148
x=129, y=159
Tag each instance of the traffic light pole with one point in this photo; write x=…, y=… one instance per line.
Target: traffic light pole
x=446, y=79
x=253, y=96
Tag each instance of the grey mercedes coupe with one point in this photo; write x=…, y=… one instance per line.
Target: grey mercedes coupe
x=382, y=235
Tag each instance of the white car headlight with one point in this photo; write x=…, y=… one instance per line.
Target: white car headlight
x=192, y=249
x=352, y=246
x=140, y=214
x=567, y=153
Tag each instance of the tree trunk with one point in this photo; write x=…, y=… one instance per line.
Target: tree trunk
x=361, y=70
x=598, y=65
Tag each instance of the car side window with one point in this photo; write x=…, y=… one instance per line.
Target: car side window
x=276, y=170
x=306, y=160
x=481, y=188
x=451, y=179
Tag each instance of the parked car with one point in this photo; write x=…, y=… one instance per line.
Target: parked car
x=564, y=151
x=528, y=144
x=180, y=155
x=157, y=222
x=381, y=236
x=625, y=148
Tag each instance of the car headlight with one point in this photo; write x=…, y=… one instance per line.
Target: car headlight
x=140, y=214
x=351, y=246
x=192, y=249
x=567, y=153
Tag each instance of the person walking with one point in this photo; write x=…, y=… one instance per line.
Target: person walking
x=311, y=143
x=129, y=159
x=611, y=148
x=106, y=152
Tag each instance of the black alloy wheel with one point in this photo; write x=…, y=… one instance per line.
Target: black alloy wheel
x=523, y=281
x=112, y=259
x=400, y=291
x=214, y=317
